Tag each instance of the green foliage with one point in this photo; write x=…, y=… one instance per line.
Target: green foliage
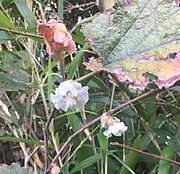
x=164, y=166
x=133, y=157
x=25, y=12
x=5, y=22
x=12, y=82
x=123, y=37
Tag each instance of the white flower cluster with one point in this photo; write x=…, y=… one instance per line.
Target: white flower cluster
x=113, y=126
x=70, y=95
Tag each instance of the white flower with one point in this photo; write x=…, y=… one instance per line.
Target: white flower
x=117, y=128
x=70, y=94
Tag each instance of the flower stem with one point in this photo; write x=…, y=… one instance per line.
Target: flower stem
x=62, y=69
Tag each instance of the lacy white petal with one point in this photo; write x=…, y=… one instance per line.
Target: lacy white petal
x=118, y=128
x=107, y=133
x=83, y=95
x=67, y=86
x=70, y=94
x=63, y=104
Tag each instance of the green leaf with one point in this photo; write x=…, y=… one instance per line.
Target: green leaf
x=5, y=22
x=14, y=169
x=86, y=163
x=11, y=82
x=137, y=39
x=4, y=36
x=76, y=61
x=103, y=141
x=133, y=157
x=124, y=165
x=164, y=166
x=60, y=9
x=99, y=84
x=25, y=12
x=11, y=61
x=23, y=140
x=78, y=36
x=74, y=122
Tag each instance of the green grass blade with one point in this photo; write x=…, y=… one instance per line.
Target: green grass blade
x=76, y=62
x=86, y=163
x=164, y=166
x=5, y=22
x=25, y=12
x=125, y=165
x=17, y=140
x=132, y=157
x=60, y=9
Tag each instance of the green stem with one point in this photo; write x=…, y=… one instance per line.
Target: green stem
x=86, y=76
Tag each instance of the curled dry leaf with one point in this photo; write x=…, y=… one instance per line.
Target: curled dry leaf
x=23, y=98
x=58, y=40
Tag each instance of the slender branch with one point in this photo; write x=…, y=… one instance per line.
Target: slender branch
x=145, y=153
x=45, y=133
x=132, y=101
x=31, y=130
x=34, y=135
x=96, y=120
x=20, y=33
x=79, y=6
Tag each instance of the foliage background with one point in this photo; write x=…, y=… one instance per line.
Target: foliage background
x=28, y=76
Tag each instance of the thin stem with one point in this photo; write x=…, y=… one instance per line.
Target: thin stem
x=79, y=6
x=20, y=33
x=96, y=120
x=34, y=135
x=132, y=101
x=50, y=117
x=87, y=76
x=62, y=69
x=45, y=133
x=145, y=153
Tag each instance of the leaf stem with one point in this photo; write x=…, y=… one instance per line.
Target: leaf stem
x=86, y=76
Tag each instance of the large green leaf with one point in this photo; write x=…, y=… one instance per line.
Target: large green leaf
x=140, y=38
x=12, y=82
x=10, y=61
